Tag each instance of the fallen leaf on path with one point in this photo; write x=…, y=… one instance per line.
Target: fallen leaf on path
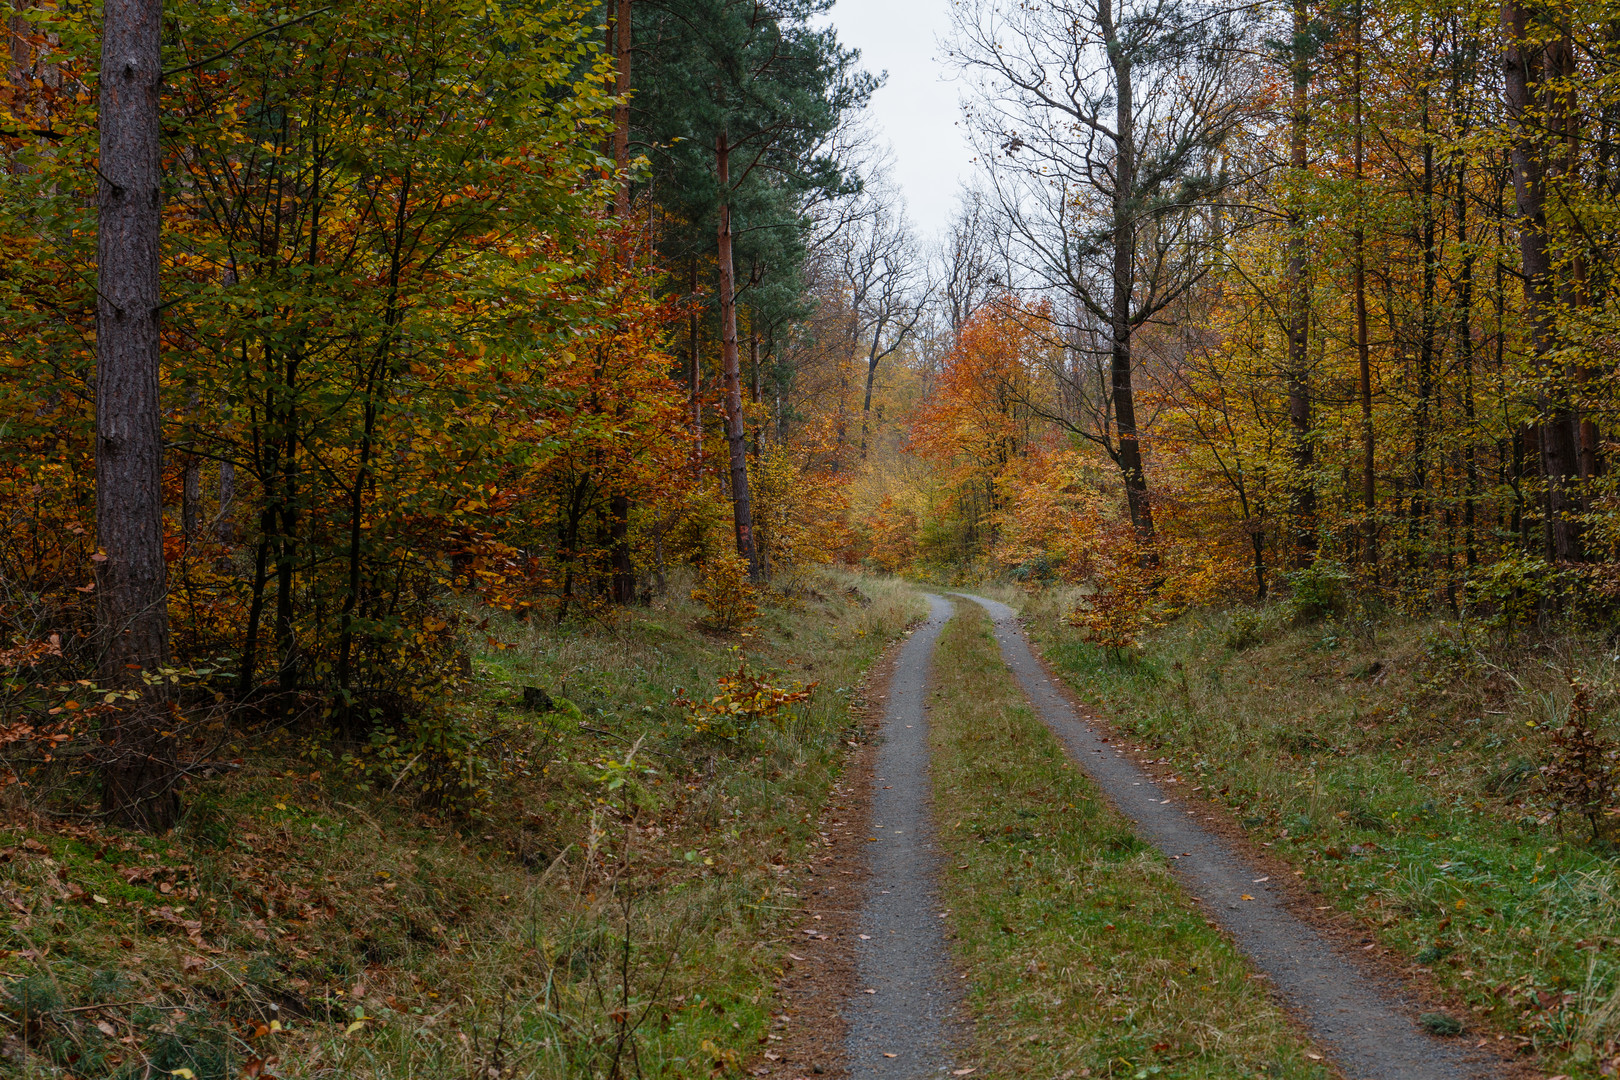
x=964, y=1072
x=868, y=991
x=1313, y=1057
x=1246, y=896
x=897, y=1055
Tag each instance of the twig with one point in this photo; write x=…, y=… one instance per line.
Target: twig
x=369, y=819
x=226, y=52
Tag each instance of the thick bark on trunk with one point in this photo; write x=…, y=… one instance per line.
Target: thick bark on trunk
x=1524, y=67
x=1299, y=314
x=741, y=512
x=138, y=770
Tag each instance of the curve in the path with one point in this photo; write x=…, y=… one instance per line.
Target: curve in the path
x=903, y=1030
x=1367, y=1026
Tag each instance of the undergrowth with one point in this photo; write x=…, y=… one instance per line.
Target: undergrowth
x=601, y=910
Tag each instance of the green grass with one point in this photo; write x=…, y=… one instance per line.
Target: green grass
x=562, y=923
x=1395, y=764
x=1084, y=956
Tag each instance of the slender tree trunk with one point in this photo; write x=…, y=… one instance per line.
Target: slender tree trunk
x=224, y=532
x=622, y=588
x=191, y=498
x=741, y=512
x=1124, y=280
x=1369, y=485
x=866, y=403
x=1465, y=362
x=1524, y=69
x=138, y=769
x=1420, y=540
x=694, y=408
x=1299, y=309
x=624, y=573
x=620, y=31
x=287, y=526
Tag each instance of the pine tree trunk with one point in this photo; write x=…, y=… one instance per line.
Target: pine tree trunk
x=731, y=361
x=138, y=771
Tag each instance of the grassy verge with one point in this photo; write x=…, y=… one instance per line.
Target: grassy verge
x=1084, y=956
x=611, y=902
x=1397, y=764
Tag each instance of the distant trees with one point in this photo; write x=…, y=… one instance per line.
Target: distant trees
x=1101, y=130
x=1337, y=279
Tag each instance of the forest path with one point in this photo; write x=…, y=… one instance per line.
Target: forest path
x=903, y=1030
x=1368, y=1026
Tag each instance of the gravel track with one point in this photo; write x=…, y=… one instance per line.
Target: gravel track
x=1367, y=1026
x=905, y=1030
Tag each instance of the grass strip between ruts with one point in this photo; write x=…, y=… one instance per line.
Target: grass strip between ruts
x=1083, y=956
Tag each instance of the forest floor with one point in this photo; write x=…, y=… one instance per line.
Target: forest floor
x=620, y=899
x=631, y=897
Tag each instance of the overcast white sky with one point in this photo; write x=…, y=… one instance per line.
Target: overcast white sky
x=916, y=111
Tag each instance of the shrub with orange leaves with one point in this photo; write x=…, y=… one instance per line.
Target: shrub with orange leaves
x=745, y=701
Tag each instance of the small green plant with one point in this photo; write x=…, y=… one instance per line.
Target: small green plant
x=1319, y=591
x=1247, y=629
x=1441, y=1024
x=1513, y=588
x=32, y=1000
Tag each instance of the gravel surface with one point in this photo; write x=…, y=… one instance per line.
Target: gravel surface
x=905, y=1030
x=1367, y=1026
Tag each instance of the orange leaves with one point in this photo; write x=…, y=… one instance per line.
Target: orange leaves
x=979, y=418
x=745, y=700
